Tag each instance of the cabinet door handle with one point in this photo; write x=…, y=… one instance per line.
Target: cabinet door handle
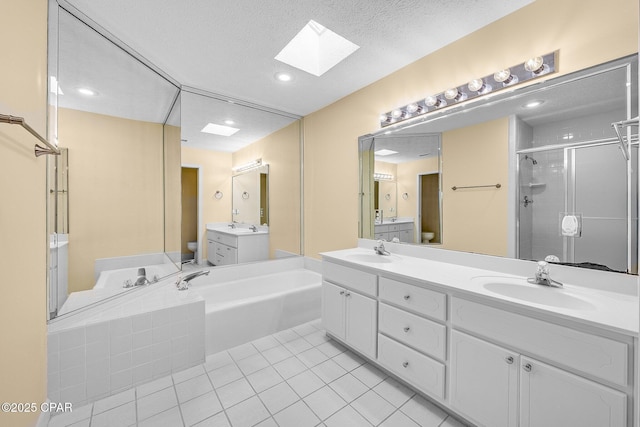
x=406, y=297
x=348, y=294
x=341, y=292
x=509, y=359
x=527, y=367
x=405, y=364
x=406, y=329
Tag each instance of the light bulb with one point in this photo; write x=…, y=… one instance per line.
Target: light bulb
x=505, y=77
x=412, y=108
x=396, y=114
x=454, y=94
x=434, y=101
x=478, y=85
x=385, y=118
x=535, y=65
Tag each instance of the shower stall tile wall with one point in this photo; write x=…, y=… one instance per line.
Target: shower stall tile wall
x=95, y=360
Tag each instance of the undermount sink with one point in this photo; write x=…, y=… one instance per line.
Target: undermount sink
x=521, y=289
x=372, y=258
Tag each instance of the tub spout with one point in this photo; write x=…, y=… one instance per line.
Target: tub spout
x=183, y=282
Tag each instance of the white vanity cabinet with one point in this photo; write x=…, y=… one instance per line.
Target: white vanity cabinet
x=347, y=312
x=230, y=247
x=488, y=382
x=403, y=231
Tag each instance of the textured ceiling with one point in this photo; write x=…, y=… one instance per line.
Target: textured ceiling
x=228, y=47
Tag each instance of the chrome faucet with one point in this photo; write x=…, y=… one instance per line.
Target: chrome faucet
x=183, y=282
x=380, y=250
x=142, y=278
x=232, y=225
x=253, y=228
x=543, y=277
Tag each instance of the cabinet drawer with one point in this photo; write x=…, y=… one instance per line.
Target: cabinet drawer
x=421, y=334
x=394, y=227
x=225, y=239
x=408, y=226
x=381, y=228
x=417, y=369
x=351, y=278
x=381, y=236
x=420, y=300
x=598, y=356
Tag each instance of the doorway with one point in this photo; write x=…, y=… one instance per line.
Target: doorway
x=429, y=209
x=190, y=230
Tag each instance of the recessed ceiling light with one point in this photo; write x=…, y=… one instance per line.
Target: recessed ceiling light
x=88, y=92
x=316, y=49
x=229, y=122
x=385, y=152
x=219, y=130
x=533, y=104
x=283, y=77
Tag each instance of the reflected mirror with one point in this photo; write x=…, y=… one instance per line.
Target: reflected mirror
x=531, y=173
x=106, y=195
x=251, y=197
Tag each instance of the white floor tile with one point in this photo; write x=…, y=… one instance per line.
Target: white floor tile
x=157, y=402
x=398, y=419
x=266, y=343
x=349, y=387
x=68, y=418
x=113, y=401
x=278, y=397
x=218, y=420
x=423, y=412
x=290, y=367
x=264, y=379
x=312, y=357
x=234, y=392
x=331, y=348
x=369, y=375
x=317, y=338
x=277, y=354
x=123, y=415
x=194, y=387
x=305, y=383
x=452, y=422
x=348, y=360
x=200, y=408
x=347, y=416
x=242, y=351
x=296, y=415
x=83, y=423
x=325, y=402
x=252, y=364
x=286, y=336
x=269, y=422
x=225, y=375
x=304, y=329
x=298, y=345
x=217, y=360
x=373, y=407
x=187, y=374
x=248, y=413
x=153, y=386
x=328, y=371
x=393, y=392
x=170, y=418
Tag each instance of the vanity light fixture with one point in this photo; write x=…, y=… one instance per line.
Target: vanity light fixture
x=382, y=176
x=531, y=69
x=248, y=166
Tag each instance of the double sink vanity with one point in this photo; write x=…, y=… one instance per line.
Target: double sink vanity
x=228, y=245
x=487, y=344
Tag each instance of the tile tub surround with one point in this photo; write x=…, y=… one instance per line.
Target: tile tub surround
x=307, y=380
x=102, y=358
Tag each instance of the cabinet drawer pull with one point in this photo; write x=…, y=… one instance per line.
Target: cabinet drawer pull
x=405, y=364
x=348, y=294
x=509, y=359
x=406, y=297
x=406, y=329
x=527, y=367
x=341, y=292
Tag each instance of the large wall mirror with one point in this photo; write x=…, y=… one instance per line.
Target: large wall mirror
x=531, y=173
x=117, y=120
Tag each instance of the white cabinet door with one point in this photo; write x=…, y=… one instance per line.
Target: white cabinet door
x=211, y=251
x=551, y=397
x=333, y=309
x=483, y=381
x=361, y=323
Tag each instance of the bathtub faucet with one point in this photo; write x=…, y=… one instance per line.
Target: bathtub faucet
x=183, y=282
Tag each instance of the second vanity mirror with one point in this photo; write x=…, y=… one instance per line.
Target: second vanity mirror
x=528, y=173
x=250, y=193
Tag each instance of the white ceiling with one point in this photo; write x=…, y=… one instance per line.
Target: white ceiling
x=228, y=48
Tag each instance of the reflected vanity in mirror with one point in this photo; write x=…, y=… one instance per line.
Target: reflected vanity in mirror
x=529, y=172
x=115, y=118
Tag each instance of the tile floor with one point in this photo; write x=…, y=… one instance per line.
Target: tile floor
x=294, y=378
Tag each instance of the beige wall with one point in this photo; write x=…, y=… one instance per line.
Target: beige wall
x=115, y=199
x=215, y=170
x=23, y=91
x=281, y=151
x=585, y=36
x=172, y=201
x=475, y=220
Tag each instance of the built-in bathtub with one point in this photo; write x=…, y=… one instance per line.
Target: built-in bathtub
x=242, y=310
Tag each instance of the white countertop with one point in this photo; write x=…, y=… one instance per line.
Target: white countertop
x=239, y=231
x=398, y=221
x=613, y=311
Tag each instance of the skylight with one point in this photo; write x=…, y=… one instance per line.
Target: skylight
x=316, y=49
x=219, y=130
x=385, y=152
